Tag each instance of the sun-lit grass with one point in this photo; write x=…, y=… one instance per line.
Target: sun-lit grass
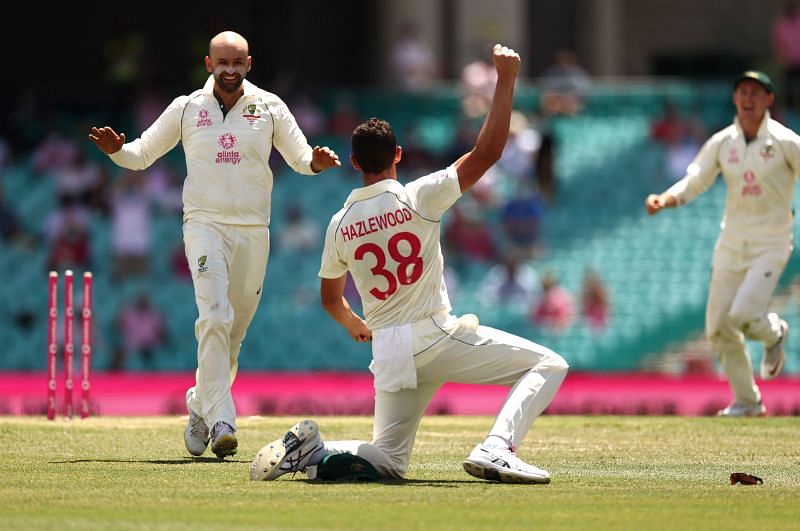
x=608, y=473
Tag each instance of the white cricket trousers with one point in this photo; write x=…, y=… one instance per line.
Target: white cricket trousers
x=228, y=264
x=447, y=351
x=744, y=275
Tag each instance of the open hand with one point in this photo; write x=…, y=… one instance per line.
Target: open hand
x=107, y=140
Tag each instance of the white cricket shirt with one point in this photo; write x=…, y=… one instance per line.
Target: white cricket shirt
x=759, y=175
x=387, y=236
x=228, y=179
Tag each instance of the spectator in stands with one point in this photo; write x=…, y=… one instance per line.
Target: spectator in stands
x=77, y=178
x=521, y=217
x=511, y=283
x=786, y=43
x=10, y=229
x=760, y=160
x=467, y=236
x=594, y=301
x=142, y=332
x=412, y=61
x=546, y=183
x=556, y=307
x=298, y=233
x=70, y=249
x=55, y=152
x=161, y=186
x=519, y=154
x=130, y=227
x=478, y=80
x=564, y=85
x=310, y=118
x=178, y=263
x=680, y=137
x=344, y=116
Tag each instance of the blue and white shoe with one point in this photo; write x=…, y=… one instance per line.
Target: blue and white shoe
x=774, y=355
x=224, y=440
x=502, y=464
x=289, y=454
x=196, y=435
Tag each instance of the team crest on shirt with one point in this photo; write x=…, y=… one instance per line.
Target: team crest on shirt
x=733, y=156
x=228, y=155
x=202, y=119
x=249, y=113
x=201, y=264
x=768, y=151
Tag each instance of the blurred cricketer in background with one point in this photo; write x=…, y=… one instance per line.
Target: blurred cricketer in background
x=228, y=129
x=759, y=160
x=387, y=237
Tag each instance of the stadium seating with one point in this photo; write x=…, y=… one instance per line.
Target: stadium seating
x=655, y=269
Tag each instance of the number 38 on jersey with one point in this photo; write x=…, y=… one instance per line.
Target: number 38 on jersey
x=403, y=248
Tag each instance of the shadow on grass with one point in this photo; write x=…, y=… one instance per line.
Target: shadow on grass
x=441, y=483
x=182, y=461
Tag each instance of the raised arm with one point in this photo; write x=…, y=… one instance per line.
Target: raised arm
x=333, y=301
x=494, y=132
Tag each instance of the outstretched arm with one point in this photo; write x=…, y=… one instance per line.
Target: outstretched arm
x=333, y=301
x=494, y=133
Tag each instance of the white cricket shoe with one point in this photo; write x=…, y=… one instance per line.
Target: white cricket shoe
x=289, y=454
x=196, y=436
x=743, y=410
x=224, y=440
x=500, y=464
x=772, y=362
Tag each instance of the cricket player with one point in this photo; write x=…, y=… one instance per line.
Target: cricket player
x=228, y=129
x=387, y=237
x=759, y=160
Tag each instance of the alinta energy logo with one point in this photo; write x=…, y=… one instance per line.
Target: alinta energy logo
x=228, y=155
x=202, y=119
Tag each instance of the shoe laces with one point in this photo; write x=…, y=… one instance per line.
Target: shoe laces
x=198, y=427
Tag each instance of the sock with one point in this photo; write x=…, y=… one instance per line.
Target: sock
x=495, y=441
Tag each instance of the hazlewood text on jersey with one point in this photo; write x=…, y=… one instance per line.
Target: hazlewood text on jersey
x=375, y=223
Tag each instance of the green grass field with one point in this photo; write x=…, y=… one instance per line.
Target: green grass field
x=608, y=473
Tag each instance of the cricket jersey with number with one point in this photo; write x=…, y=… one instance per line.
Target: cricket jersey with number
x=760, y=177
x=228, y=178
x=387, y=237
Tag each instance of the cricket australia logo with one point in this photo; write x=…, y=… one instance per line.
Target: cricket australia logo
x=202, y=118
x=228, y=155
x=768, y=151
x=201, y=264
x=249, y=113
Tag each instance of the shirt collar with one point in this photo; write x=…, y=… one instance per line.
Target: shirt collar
x=762, y=129
x=366, y=192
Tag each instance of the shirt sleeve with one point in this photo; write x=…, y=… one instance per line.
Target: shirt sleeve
x=333, y=263
x=433, y=194
x=791, y=150
x=700, y=174
x=158, y=139
x=290, y=140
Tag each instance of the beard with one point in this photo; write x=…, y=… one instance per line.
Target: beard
x=227, y=85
